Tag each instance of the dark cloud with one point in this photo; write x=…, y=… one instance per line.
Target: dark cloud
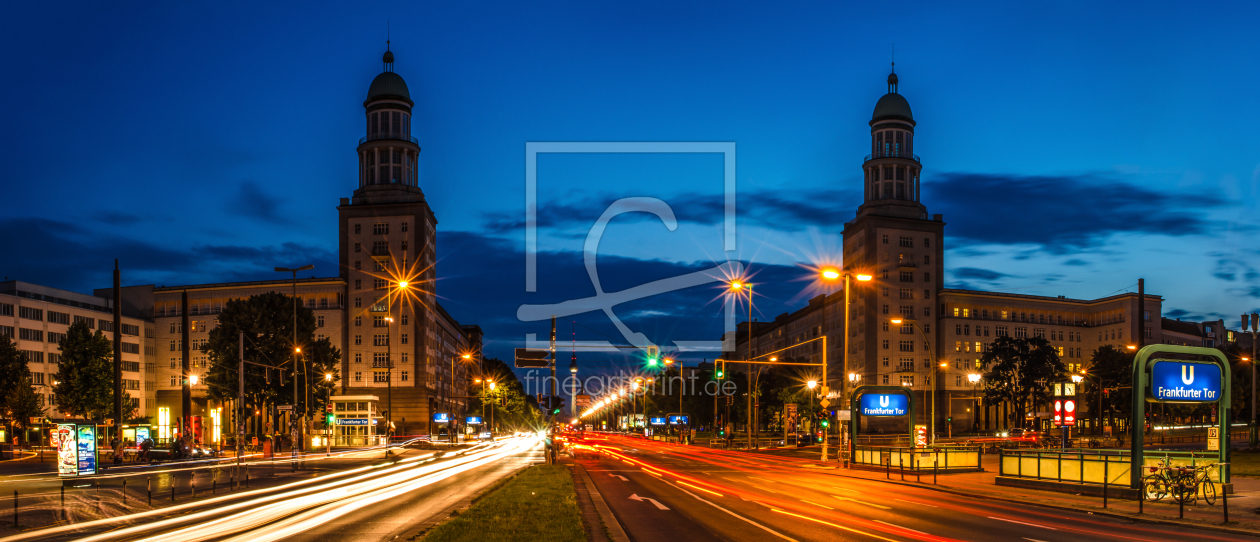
x=1182, y=314
x=977, y=274
x=64, y=255
x=1059, y=213
x=1076, y=262
x=782, y=210
x=1225, y=276
x=250, y=201
x=115, y=218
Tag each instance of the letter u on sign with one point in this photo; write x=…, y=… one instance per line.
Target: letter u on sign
x=1184, y=379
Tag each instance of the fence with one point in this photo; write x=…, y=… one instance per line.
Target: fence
x=944, y=458
x=1092, y=466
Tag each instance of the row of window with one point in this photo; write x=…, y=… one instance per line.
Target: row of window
x=1110, y=317
x=381, y=377
x=379, y=228
x=379, y=321
x=906, y=241
x=379, y=359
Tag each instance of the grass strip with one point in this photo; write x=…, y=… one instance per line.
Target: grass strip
x=538, y=504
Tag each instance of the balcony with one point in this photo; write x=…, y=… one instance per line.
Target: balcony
x=394, y=137
x=905, y=155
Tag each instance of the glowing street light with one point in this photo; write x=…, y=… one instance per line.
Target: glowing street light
x=811, y=384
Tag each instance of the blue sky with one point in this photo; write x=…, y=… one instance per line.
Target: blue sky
x=1072, y=147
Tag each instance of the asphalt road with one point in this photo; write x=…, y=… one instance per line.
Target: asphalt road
x=373, y=500
x=721, y=495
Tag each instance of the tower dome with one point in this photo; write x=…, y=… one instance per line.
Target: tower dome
x=891, y=106
x=389, y=85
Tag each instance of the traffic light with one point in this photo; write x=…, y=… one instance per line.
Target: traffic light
x=720, y=373
x=553, y=404
x=653, y=356
x=330, y=419
x=826, y=422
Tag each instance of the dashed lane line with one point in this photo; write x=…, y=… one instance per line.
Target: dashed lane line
x=900, y=527
x=1023, y=523
x=880, y=506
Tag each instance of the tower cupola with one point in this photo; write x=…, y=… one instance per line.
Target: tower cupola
x=891, y=170
x=388, y=154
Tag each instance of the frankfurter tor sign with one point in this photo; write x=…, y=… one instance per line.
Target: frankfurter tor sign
x=1199, y=381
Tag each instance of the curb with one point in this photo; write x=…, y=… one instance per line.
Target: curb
x=1142, y=519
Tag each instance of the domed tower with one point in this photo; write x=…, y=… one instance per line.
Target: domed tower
x=894, y=240
x=387, y=238
x=388, y=154
x=891, y=170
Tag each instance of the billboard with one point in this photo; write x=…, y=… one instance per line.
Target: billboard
x=67, y=450
x=86, y=448
x=1185, y=382
x=879, y=404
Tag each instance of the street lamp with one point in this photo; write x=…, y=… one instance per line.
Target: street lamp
x=974, y=379
x=811, y=385
x=832, y=274
x=932, y=390
x=738, y=286
x=293, y=422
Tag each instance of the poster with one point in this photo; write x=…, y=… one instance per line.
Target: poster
x=142, y=434
x=86, y=449
x=920, y=436
x=67, y=449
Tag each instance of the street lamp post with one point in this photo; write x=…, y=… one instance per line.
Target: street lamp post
x=737, y=285
x=811, y=385
x=935, y=365
x=974, y=379
x=831, y=274
x=1252, y=435
x=293, y=423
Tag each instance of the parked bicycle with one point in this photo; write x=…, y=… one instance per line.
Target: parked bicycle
x=1185, y=484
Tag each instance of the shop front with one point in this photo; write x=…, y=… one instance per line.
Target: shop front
x=355, y=420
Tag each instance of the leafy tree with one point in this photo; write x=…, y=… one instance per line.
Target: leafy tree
x=1112, y=368
x=85, y=378
x=1020, y=371
x=267, y=320
x=512, y=407
x=13, y=369
x=23, y=404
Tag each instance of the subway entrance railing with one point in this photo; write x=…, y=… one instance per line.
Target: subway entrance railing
x=1095, y=466
x=940, y=458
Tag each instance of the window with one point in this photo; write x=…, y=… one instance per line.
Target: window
x=907, y=276
x=927, y=312
x=319, y=321
x=885, y=288
x=380, y=376
x=1021, y=333
x=378, y=284
x=380, y=248
x=905, y=346
x=379, y=359
x=358, y=247
x=58, y=318
x=358, y=377
x=30, y=314
x=1005, y=315
x=885, y=239
x=927, y=294
x=927, y=277
x=884, y=361
x=358, y=339
x=956, y=312
x=404, y=357
x=358, y=265
x=358, y=303
x=402, y=339
x=958, y=380
x=979, y=347
x=907, y=380
x=999, y=331
x=907, y=328
x=885, y=344
x=907, y=312
x=958, y=346
x=927, y=242
x=32, y=356
x=54, y=358
x=31, y=334
x=885, y=379
x=404, y=227
x=358, y=228
x=6, y=331
x=380, y=340
x=358, y=357
x=885, y=309
x=927, y=260
x=907, y=293
x=130, y=348
x=7, y=310
x=380, y=229
x=404, y=319
x=1039, y=333
x=404, y=244
x=358, y=320
x=378, y=321
x=905, y=241
x=966, y=313
x=885, y=326
x=884, y=274
x=91, y=322
x=378, y=265
x=358, y=284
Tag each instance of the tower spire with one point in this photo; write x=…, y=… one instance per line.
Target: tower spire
x=388, y=59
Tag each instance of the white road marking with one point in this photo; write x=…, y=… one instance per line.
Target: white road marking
x=1022, y=523
x=917, y=503
x=900, y=527
x=863, y=502
x=816, y=504
x=623, y=478
x=659, y=506
x=758, y=525
x=1034, y=540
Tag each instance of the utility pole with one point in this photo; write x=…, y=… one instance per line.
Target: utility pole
x=1255, y=323
x=240, y=401
x=118, y=387
x=185, y=405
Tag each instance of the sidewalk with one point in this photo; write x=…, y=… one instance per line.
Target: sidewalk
x=1244, y=504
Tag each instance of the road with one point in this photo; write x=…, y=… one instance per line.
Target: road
x=661, y=491
x=374, y=501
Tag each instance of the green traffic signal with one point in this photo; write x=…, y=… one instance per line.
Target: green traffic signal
x=826, y=423
x=652, y=361
x=720, y=373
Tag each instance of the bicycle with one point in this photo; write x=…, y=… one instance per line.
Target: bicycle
x=1195, y=482
x=1158, y=484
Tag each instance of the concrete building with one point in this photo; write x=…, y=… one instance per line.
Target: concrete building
x=386, y=237
x=37, y=317
x=944, y=332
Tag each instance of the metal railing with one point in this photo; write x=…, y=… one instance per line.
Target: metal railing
x=1092, y=466
x=869, y=157
x=944, y=458
x=379, y=137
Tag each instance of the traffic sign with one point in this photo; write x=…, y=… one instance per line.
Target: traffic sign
x=283, y=408
x=328, y=407
x=824, y=403
x=1185, y=382
x=532, y=359
x=892, y=404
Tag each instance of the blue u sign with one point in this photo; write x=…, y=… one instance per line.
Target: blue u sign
x=1185, y=382
x=878, y=404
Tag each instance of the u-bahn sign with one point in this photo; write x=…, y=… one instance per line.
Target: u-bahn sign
x=884, y=404
x=1175, y=381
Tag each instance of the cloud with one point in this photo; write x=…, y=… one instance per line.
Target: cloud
x=781, y=210
x=250, y=201
x=1060, y=213
x=65, y=255
x=977, y=274
x=1076, y=262
x=115, y=218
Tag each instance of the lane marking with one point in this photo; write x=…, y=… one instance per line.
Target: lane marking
x=816, y=504
x=900, y=527
x=763, y=479
x=699, y=488
x=1033, y=540
x=917, y=503
x=623, y=478
x=880, y=506
x=832, y=524
x=849, y=490
x=751, y=522
x=659, y=506
x=1023, y=523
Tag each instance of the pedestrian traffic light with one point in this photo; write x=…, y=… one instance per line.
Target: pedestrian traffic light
x=653, y=356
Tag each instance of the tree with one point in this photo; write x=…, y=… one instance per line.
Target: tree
x=85, y=378
x=512, y=408
x=23, y=404
x=267, y=320
x=13, y=369
x=1020, y=371
x=1110, y=369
